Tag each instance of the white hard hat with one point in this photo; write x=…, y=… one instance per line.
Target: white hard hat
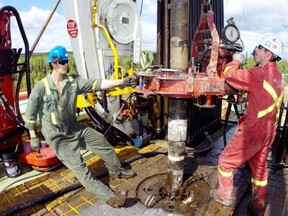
x=272, y=43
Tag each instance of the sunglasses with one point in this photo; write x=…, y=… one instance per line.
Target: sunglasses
x=63, y=62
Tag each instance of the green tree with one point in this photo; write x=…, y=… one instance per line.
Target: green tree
x=282, y=66
x=39, y=69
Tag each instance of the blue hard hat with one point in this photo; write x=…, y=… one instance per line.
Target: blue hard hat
x=58, y=53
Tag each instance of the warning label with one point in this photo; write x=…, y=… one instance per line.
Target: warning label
x=72, y=28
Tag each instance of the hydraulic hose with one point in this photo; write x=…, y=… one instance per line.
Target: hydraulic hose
x=25, y=65
x=198, y=151
x=276, y=166
x=114, y=133
x=231, y=101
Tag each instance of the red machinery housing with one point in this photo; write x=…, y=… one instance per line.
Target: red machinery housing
x=11, y=74
x=8, y=125
x=203, y=75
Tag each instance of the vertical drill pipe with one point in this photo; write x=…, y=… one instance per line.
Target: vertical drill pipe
x=179, y=31
x=166, y=35
x=167, y=51
x=177, y=117
x=159, y=59
x=177, y=135
x=160, y=32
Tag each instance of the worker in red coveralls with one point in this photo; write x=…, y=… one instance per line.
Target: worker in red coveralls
x=256, y=129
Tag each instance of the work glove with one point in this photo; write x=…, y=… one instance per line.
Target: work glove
x=240, y=57
x=35, y=144
x=130, y=81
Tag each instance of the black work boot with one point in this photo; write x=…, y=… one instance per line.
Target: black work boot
x=215, y=197
x=118, y=199
x=124, y=173
x=252, y=210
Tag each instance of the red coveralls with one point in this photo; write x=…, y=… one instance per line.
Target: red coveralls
x=256, y=129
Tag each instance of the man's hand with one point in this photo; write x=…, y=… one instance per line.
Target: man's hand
x=240, y=57
x=130, y=81
x=35, y=144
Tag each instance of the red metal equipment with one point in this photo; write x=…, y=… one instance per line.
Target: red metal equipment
x=203, y=75
x=42, y=161
x=12, y=124
x=8, y=113
x=201, y=78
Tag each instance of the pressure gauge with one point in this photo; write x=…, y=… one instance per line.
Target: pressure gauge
x=231, y=33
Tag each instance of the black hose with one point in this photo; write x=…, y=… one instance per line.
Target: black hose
x=139, y=121
x=231, y=101
x=276, y=166
x=226, y=122
x=36, y=200
x=144, y=155
x=114, y=132
x=25, y=67
x=199, y=151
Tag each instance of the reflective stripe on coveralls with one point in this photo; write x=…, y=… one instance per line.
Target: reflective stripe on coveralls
x=258, y=182
x=271, y=91
x=29, y=121
x=277, y=100
x=94, y=85
x=48, y=92
x=226, y=70
x=223, y=173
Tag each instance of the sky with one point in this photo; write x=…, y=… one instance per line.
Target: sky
x=254, y=18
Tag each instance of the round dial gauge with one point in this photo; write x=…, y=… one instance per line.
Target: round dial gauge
x=122, y=20
x=231, y=33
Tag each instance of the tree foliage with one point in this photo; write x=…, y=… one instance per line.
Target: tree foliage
x=39, y=68
x=282, y=66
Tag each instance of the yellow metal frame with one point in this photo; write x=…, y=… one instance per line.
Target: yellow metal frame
x=119, y=91
x=86, y=100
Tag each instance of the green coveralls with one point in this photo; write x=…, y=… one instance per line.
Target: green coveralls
x=65, y=135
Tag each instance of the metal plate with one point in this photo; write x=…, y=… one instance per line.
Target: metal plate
x=152, y=193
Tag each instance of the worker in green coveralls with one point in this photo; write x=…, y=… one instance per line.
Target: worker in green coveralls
x=53, y=100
